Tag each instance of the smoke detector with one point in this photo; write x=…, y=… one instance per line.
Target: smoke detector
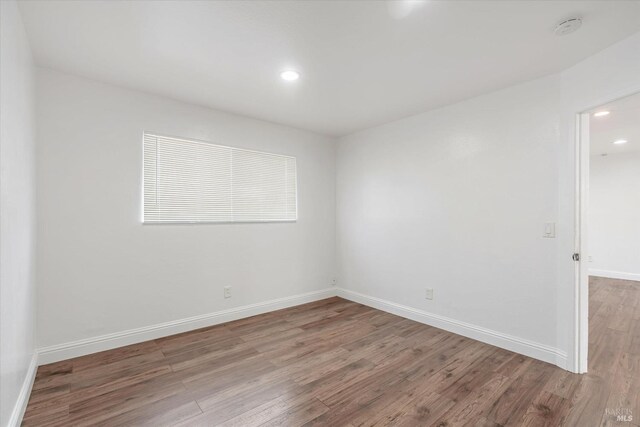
x=568, y=26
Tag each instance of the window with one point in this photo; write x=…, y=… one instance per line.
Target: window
x=194, y=181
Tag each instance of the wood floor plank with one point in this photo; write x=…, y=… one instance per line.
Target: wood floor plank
x=268, y=411
x=122, y=354
x=299, y=415
x=53, y=375
x=189, y=340
x=83, y=391
x=57, y=415
x=476, y=404
x=98, y=375
x=224, y=406
x=547, y=410
x=588, y=403
x=563, y=384
x=622, y=396
x=510, y=407
x=209, y=354
x=604, y=359
x=420, y=409
x=339, y=363
x=632, y=344
x=164, y=412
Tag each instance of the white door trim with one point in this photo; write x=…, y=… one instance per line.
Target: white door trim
x=581, y=306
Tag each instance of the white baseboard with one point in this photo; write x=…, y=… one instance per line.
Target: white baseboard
x=614, y=274
x=83, y=347
x=25, y=392
x=498, y=339
x=106, y=342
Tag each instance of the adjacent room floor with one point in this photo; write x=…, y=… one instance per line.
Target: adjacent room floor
x=335, y=362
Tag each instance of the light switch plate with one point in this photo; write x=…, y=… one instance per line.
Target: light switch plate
x=549, y=230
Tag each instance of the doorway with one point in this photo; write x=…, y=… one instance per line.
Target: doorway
x=608, y=235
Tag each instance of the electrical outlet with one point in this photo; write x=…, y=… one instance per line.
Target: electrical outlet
x=334, y=282
x=429, y=293
x=227, y=291
x=590, y=258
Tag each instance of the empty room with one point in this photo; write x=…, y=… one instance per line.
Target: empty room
x=319, y=213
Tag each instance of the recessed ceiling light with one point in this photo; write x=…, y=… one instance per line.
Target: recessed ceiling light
x=601, y=114
x=620, y=141
x=290, y=75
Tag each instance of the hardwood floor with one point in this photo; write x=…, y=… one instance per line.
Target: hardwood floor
x=338, y=363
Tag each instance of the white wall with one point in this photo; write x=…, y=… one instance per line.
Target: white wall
x=456, y=200
x=17, y=213
x=101, y=271
x=614, y=213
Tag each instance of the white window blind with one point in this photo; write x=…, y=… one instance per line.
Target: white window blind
x=194, y=181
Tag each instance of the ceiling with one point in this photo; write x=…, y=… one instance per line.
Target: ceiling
x=623, y=122
x=363, y=63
